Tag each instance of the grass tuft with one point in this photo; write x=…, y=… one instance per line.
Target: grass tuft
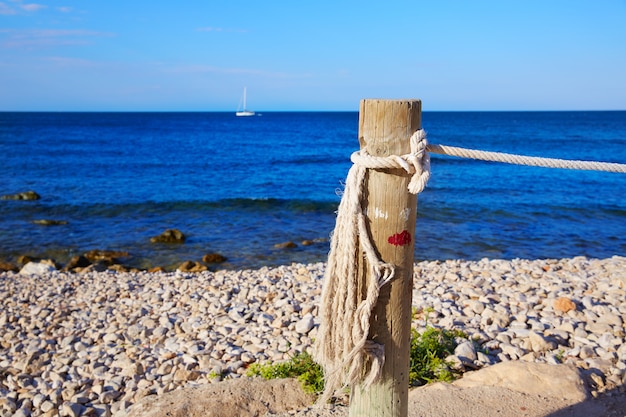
x=301, y=366
x=428, y=352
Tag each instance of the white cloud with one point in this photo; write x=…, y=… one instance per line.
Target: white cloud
x=32, y=7
x=216, y=29
x=209, y=68
x=69, y=62
x=6, y=10
x=49, y=37
x=197, y=69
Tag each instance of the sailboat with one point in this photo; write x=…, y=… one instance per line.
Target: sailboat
x=244, y=111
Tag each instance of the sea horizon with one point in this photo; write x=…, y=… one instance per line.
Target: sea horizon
x=314, y=111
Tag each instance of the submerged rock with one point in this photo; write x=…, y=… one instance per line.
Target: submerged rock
x=78, y=261
x=285, y=245
x=108, y=256
x=49, y=222
x=26, y=195
x=213, y=258
x=99, y=266
x=24, y=259
x=191, y=266
x=169, y=236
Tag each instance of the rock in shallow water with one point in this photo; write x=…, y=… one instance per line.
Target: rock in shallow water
x=169, y=236
x=26, y=195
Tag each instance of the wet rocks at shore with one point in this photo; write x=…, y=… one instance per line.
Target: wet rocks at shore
x=97, y=260
x=8, y=267
x=193, y=250
x=97, y=343
x=192, y=266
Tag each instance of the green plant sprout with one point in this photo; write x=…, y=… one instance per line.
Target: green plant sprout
x=301, y=366
x=427, y=362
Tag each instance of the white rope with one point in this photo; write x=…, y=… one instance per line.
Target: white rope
x=526, y=160
x=342, y=345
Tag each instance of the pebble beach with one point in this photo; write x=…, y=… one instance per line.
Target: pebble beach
x=94, y=343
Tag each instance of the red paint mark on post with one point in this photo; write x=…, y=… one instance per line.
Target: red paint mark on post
x=400, y=239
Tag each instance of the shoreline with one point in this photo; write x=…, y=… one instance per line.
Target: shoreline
x=169, y=256
x=96, y=260
x=102, y=341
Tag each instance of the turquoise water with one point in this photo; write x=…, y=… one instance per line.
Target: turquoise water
x=238, y=186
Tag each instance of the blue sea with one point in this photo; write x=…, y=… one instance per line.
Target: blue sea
x=239, y=186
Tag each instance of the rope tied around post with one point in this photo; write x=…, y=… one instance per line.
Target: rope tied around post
x=342, y=345
x=416, y=163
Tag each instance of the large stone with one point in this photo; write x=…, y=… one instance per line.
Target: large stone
x=236, y=398
x=559, y=381
x=36, y=268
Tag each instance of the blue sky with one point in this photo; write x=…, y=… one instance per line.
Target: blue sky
x=193, y=55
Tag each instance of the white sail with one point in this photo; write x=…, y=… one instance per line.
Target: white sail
x=243, y=111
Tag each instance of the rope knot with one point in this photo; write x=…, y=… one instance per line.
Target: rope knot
x=420, y=160
x=416, y=163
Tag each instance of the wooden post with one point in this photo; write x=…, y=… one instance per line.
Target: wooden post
x=385, y=127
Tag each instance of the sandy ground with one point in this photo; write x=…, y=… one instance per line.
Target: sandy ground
x=448, y=401
x=529, y=391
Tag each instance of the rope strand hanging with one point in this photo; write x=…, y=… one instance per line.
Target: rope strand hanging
x=342, y=345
